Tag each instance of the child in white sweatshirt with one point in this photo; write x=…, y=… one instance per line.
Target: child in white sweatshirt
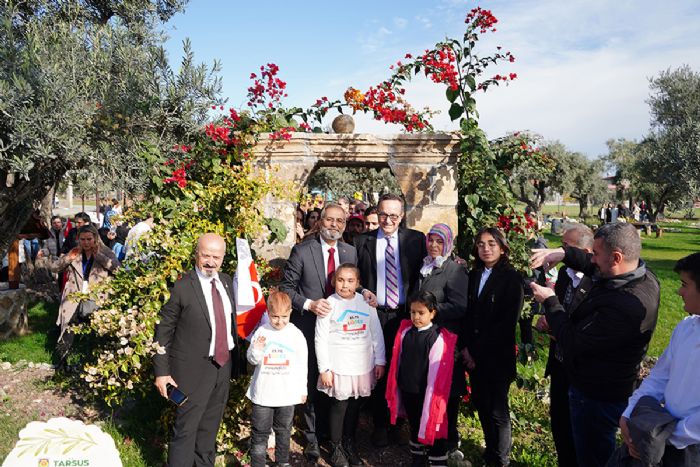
x=278, y=351
x=350, y=353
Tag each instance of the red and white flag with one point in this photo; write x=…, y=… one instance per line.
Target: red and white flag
x=250, y=302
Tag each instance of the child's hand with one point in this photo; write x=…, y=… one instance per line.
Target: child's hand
x=259, y=343
x=303, y=399
x=378, y=371
x=327, y=379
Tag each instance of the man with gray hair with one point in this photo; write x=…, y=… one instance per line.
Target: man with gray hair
x=604, y=338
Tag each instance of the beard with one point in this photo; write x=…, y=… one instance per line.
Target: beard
x=331, y=235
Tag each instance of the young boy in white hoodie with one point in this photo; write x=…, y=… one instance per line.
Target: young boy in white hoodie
x=278, y=351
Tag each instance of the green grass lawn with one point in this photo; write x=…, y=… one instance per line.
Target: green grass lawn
x=37, y=346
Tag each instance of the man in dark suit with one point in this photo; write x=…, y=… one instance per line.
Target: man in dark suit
x=307, y=281
x=571, y=288
x=196, y=334
x=389, y=259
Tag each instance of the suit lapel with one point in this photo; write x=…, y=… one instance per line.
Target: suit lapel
x=403, y=259
x=343, y=254
x=317, y=254
x=197, y=287
x=371, y=246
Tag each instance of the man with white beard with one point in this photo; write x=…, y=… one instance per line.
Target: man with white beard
x=308, y=282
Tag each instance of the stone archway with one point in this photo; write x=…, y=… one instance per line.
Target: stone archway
x=423, y=164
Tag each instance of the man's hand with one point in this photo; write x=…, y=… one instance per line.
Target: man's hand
x=378, y=371
x=542, y=325
x=628, y=439
x=327, y=379
x=320, y=307
x=467, y=358
x=74, y=254
x=539, y=293
x=546, y=257
x=303, y=399
x=162, y=382
x=370, y=298
x=259, y=343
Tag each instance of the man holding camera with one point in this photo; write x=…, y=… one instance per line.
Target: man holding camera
x=605, y=337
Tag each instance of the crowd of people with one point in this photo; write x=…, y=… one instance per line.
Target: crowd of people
x=616, y=213
x=391, y=319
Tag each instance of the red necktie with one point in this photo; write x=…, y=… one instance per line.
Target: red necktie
x=329, y=272
x=221, y=351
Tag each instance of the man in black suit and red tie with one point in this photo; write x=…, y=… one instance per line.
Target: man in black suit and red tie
x=197, y=333
x=389, y=259
x=307, y=281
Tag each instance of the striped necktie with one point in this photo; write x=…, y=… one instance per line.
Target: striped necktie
x=391, y=277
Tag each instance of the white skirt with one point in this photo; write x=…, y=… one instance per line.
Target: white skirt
x=349, y=386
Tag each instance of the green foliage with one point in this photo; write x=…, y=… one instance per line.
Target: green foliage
x=83, y=86
x=337, y=181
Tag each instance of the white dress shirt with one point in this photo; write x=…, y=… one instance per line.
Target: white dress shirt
x=325, y=247
x=675, y=380
x=205, y=282
x=575, y=277
x=381, y=267
x=485, y=274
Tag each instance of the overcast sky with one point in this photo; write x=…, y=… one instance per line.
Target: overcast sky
x=583, y=66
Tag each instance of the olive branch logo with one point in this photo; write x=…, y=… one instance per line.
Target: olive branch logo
x=55, y=437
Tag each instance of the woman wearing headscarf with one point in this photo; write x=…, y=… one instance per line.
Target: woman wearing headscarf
x=87, y=264
x=495, y=300
x=447, y=280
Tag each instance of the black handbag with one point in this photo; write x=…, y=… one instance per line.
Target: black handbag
x=85, y=309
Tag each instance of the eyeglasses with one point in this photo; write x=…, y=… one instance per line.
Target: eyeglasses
x=394, y=217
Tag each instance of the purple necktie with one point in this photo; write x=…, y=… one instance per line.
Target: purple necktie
x=221, y=350
x=392, y=277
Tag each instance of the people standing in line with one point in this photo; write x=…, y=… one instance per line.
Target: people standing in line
x=87, y=264
x=495, y=301
x=421, y=384
x=307, y=281
x=605, y=338
x=571, y=288
x=448, y=282
x=197, y=341
x=389, y=259
x=278, y=352
x=675, y=377
x=350, y=353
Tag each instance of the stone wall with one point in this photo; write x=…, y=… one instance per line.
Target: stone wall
x=423, y=164
x=13, y=311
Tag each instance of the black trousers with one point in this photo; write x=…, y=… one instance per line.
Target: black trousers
x=437, y=453
x=491, y=402
x=342, y=418
x=560, y=415
x=265, y=419
x=390, y=321
x=197, y=420
x=315, y=410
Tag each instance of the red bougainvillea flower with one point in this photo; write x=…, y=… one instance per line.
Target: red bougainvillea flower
x=481, y=19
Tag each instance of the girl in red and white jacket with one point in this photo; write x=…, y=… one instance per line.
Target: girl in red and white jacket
x=420, y=380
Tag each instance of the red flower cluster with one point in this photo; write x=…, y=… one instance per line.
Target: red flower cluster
x=440, y=66
x=268, y=84
x=516, y=223
x=482, y=19
x=305, y=126
x=179, y=176
x=218, y=133
x=510, y=77
x=284, y=133
x=390, y=108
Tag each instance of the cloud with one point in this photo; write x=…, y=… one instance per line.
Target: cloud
x=400, y=23
x=374, y=41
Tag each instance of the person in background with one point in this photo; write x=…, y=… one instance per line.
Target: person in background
x=57, y=235
x=278, y=352
x=312, y=218
x=132, y=238
x=299, y=225
x=360, y=207
x=71, y=242
x=495, y=300
x=344, y=203
x=87, y=264
x=354, y=227
x=371, y=216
